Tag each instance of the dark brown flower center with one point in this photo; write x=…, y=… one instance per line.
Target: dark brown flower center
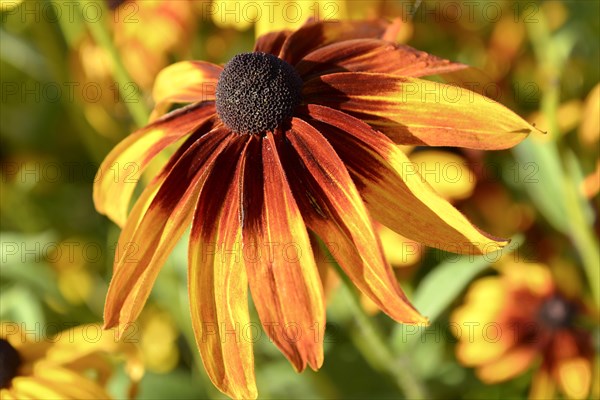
x=257, y=92
x=10, y=361
x=556, y=312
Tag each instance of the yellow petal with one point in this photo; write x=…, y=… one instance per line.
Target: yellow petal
x=508, y=366
x=395, y=192
x=30, y=387
x=6, y=394
x=575, y=377
x=398, y=250
x=589, y=131
x=476, y=322
x=534, y=277
x=72, y=385
x=542, y=386
x=146, y=248
x=218, y=285
x=416, y=111
x=119, y=172
x=184, y=82
x=290, y=14
x=447, y=173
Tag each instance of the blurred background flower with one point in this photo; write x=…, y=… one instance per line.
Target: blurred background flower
x=521, y=320
x=70, y=364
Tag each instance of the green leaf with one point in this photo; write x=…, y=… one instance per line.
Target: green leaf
x=19, y=304
x=545, y=188
x=443, y=285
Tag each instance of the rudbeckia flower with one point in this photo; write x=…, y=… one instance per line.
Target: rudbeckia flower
x=295, y=138
x=521, y=320
x=33, y=366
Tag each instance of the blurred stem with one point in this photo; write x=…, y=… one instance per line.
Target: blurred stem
x=583, y=238
x=415, y=8
x=99, y=32
x=56, y=56
x=373, y=347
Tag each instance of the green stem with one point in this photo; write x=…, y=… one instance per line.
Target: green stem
x=553, y=56
x=583, y=238
x=99, y=32
x=372, y=345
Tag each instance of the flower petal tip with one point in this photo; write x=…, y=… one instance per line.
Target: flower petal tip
x=316, y=362
x=249, y=392
x=108, y=325
x=538, y=129
x=419, y=320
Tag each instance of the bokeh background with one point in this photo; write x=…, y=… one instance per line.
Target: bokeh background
x=77, y=78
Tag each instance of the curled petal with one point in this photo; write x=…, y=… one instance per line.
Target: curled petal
x=373, y=55
x=283, y=277
x=184, y=82
x=142, y=250
x=420, y=112
x=119, y=172
x=333, y=209
x=313, y=35
x=393, y=189
x=218, y=285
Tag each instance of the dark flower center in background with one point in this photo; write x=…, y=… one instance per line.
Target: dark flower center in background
x=556, y=312
x=114, y=4
x=257, y=92
x=9, y=363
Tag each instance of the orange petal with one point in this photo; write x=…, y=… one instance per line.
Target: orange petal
x=283, y=276
x=325, y=265
x=332, y=208
x=415, y=111
x=511, y=364
x=218, y=285
x=313, y=35
x=184, y=82
x=143, y=250
x=372, y=55
x=395, y=192
x=271, y=42
x=119, y=172
x=393, y=30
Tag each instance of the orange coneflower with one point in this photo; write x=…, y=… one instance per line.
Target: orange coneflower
x=521, y=320
x=299, y=135
x=70, y=365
